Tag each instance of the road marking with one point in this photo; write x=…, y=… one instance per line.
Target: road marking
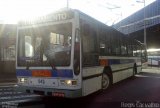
x=4, y=84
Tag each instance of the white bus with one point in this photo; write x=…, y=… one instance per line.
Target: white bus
x=69, y=54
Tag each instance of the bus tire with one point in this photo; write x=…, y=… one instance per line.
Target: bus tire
x=134, y=69
x=105, y=81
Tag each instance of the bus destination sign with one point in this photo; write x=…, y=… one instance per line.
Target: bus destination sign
x=59, y=16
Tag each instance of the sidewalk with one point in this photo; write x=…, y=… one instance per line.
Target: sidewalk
x=152, y=70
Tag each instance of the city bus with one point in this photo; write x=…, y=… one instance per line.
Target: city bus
x=70, y=54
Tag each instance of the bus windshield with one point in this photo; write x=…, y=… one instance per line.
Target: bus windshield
x=45, y=45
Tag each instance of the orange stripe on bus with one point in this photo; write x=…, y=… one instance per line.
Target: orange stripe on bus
x=41, y=73
x=103, y=62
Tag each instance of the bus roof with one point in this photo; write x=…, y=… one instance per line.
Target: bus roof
x=65, y=14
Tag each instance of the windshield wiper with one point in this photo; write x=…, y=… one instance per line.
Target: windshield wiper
x=52, y=64
x=28, y=64
x=30, y=61
x=44, y=50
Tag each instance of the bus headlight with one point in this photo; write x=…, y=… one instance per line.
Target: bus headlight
x=68, y=82
x=22, y=80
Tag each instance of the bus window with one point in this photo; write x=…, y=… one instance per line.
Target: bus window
x=130, y=48
x=144, y=54
x=123, y=47
x=118, y=48
x=102, y=48
x=108, y=45
x=56, y=38
x=89, y=45
x=38, y=42
x=134, y=49
x=44, y=44
x=139, y=51
x=115, y=43
x=102, y=43
x=29, y=52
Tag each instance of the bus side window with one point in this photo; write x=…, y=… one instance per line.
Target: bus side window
x=123, y=47
x=29, y=49
x=139, y=51
x=115, y=43
x=108, y=43
x=102, y=41
x=134, y=49
x=144, y=54
x=102, y=47
x=130, y=48
x=89, y=45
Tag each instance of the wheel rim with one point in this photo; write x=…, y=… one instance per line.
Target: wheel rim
x=105, y=81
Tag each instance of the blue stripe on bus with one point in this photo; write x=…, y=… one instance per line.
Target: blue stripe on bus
x=66, y=73
x=120, y=61
x=23, y=72
x=62, y=73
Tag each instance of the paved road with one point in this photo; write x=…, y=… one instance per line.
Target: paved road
x=141, y=91
x=10, y=97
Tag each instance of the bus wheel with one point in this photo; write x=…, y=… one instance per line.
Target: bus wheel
x=105, y=81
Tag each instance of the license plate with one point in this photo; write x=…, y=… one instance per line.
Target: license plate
x=43, y=82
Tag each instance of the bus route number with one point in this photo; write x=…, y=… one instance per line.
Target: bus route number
x=41, y=81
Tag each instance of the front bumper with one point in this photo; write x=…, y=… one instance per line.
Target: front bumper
x=50, y=91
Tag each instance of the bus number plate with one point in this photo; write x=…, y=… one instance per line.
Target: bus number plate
x=43, y=82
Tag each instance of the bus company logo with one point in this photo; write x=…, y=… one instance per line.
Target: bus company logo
x=139, y=104
x=59, y=16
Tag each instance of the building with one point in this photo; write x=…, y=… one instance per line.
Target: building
x=134, y=25
x=7, y=49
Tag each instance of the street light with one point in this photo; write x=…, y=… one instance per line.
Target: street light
x=67, y=3
x=144, y=2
